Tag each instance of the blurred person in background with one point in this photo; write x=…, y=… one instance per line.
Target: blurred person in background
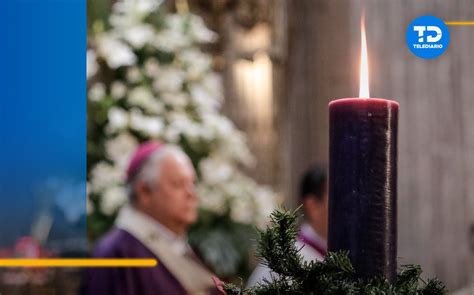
x=162, y=205
x=313, y=231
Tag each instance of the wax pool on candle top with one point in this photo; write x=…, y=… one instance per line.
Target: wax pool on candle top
x=363, y=183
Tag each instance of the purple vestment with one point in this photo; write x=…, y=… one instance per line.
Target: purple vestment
x=128, y=281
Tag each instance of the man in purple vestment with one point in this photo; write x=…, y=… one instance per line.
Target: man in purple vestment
x=162, y=205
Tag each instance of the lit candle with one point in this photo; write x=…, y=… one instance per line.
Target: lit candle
x=363, y=178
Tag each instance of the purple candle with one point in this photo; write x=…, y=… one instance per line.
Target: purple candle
x=363, y=180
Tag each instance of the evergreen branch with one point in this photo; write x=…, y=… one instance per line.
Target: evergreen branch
x=333, y=276
x=277, y=245
x=434, y=287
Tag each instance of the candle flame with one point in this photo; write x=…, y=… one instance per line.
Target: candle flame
x=364, y=63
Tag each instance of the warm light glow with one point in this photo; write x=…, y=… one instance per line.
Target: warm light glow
x=253, y=83
x=364, y=63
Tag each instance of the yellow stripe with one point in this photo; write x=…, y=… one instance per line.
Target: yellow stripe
x=459, y=23
x=20, y=262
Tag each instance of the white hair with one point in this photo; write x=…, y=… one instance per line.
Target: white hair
x=150, y=170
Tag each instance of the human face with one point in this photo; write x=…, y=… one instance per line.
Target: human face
x=173, y=200
x=316, y=212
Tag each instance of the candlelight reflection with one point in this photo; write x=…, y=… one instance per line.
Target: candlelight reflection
x=364, y=63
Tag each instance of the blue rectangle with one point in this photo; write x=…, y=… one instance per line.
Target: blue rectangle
x=42, y=119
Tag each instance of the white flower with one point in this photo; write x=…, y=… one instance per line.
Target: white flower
x=196, y=62
x=212, y=82
x=193, y=132
x=211, y=198
x=151, y=126
x=138, y=36
x=235, y=147
x=120, y=148
x=104, y=175
x=97, y=92
x=127, y=13
x=231, y=141
x=175, y=36
x=115, y=52
x=171, y=134
x=177, y=99
x=118, y=89
x=176, y=22
x=169, y=79
x=202, y=98
x=242, y=210
x=92, y=67
x=112, y=199
x=199, y=31
x=221, y=125
x=136, y=6
x=141, y=96
x=172, y=40
x=152, y=67
x=176, y=127
x=118, y=119
x=180, y=118
x=133, y=74
x=181, y=124
x=215, y=169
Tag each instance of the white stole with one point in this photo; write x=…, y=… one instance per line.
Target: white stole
x=194, y=278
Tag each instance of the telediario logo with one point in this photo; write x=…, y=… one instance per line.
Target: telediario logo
x=427, y=37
